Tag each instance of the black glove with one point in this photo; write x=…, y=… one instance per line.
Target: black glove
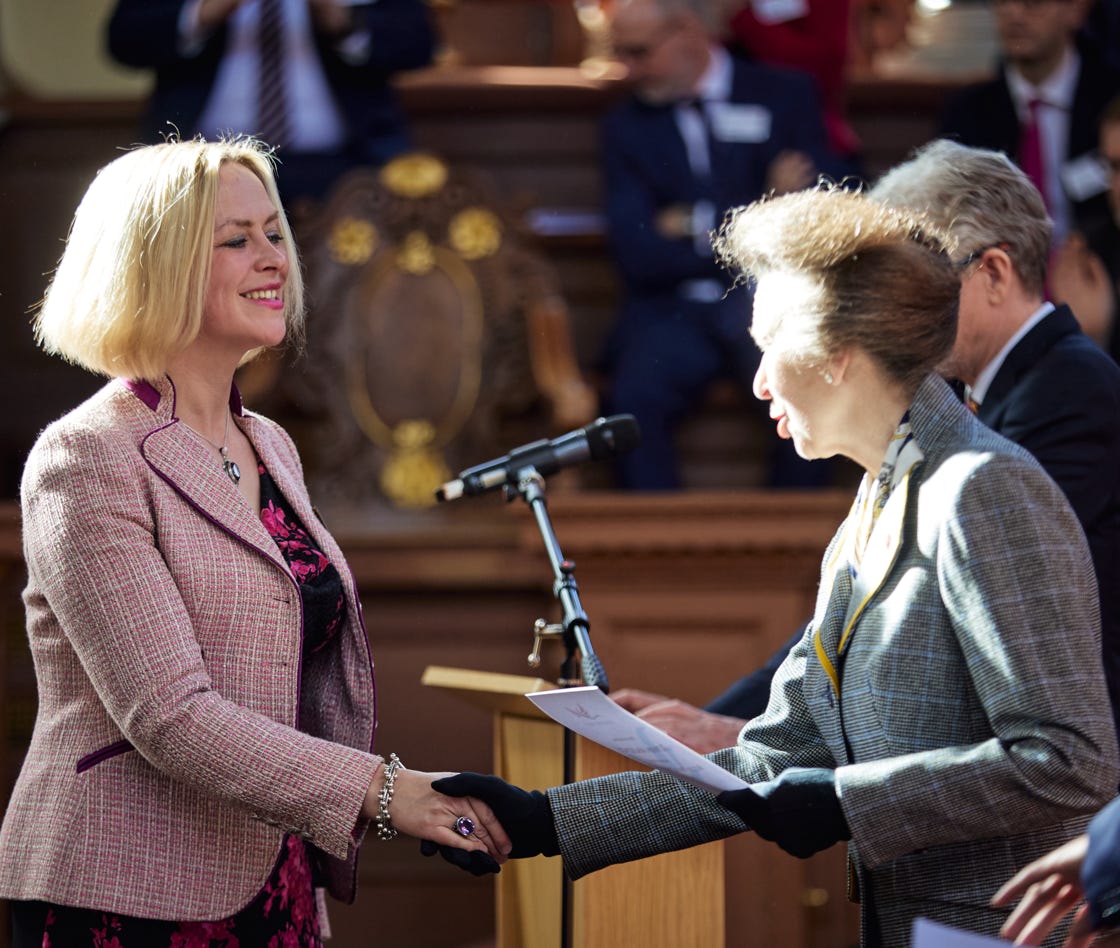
x=475, y=861
x=526, y=816
x=798, y=810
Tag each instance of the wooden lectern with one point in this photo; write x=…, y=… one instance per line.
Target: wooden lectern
x=671, y=901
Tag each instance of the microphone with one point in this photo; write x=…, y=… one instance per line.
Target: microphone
x=603, y=438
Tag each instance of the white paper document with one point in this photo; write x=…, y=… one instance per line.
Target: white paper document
x=589, y=712
x=927, y=934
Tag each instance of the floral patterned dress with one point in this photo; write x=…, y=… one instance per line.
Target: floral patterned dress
x=284, y=914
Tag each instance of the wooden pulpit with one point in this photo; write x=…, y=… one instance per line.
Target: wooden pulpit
x=671, y=901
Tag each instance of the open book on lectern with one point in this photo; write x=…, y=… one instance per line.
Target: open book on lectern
x=590, y=713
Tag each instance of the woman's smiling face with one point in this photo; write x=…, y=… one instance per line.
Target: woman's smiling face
x=244, y=306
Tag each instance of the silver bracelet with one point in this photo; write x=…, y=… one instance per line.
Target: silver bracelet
x=385, y=828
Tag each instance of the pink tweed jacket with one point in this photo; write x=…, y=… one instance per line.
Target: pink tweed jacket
x=174, y=746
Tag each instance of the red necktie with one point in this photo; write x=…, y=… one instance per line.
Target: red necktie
x=272, y=99
x=1030, y=150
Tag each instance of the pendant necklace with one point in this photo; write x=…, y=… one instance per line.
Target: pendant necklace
x=229, y=465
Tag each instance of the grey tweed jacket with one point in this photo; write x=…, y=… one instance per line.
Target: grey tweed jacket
x=968, y=724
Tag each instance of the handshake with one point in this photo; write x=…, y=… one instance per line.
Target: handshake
x=526, y=816
x=798, y=810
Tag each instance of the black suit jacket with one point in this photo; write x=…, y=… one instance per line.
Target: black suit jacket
x=1057, y=394
x=145, y=34
x=983, y=116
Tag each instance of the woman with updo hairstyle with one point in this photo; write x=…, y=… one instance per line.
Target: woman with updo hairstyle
x=867, y=277
x=945, y=711
x=202, y=765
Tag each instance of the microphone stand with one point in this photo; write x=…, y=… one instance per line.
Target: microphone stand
x=575, y=626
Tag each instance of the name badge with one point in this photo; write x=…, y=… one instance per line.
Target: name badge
x=769, y=12
x=1084, y=177
x=739, y=123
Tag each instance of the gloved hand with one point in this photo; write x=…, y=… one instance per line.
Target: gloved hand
x=525, y=815
x=475, y=861
x=799, y=810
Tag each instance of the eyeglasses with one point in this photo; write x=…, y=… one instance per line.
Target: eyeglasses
x=961, y=265
x=639, y=51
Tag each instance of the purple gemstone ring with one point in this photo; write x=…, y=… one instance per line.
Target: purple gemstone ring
x=464, y=826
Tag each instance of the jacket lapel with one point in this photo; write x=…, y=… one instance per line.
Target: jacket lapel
x=282, y=468
x=832, y=598
x=842, y=598
x=1024, y=356
x=181, y=460
x=879, y=557
x=666, y=156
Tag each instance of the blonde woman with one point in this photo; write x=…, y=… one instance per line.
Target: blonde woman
x=202, y=761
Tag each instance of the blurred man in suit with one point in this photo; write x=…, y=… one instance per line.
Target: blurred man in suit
x=308, y=76
x=1030, y=373
x=1085, y=272
x=1043, y=107
x=700, y=133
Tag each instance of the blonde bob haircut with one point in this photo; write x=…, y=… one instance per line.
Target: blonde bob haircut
x=879, y=279
x=129, y=290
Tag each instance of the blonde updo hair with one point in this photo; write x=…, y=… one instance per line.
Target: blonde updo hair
x=130, y=287
x=880, y=279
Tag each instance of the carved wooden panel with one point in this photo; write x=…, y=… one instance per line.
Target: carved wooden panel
x=437, y=337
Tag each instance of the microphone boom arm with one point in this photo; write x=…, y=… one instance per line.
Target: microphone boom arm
x=576, y=627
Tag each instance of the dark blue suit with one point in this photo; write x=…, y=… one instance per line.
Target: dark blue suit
x=666, y=348
x=1057, y=394
x=145, y=34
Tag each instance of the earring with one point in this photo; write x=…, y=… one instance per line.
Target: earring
x=827, y=378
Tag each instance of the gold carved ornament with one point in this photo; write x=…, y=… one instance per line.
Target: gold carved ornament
x=475, y=233
x=352, y=241
x=413, y=175
x=415, y=466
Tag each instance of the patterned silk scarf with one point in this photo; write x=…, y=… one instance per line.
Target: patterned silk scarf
x=902, y=455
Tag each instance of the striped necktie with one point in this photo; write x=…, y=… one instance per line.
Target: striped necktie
x=272, y=97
